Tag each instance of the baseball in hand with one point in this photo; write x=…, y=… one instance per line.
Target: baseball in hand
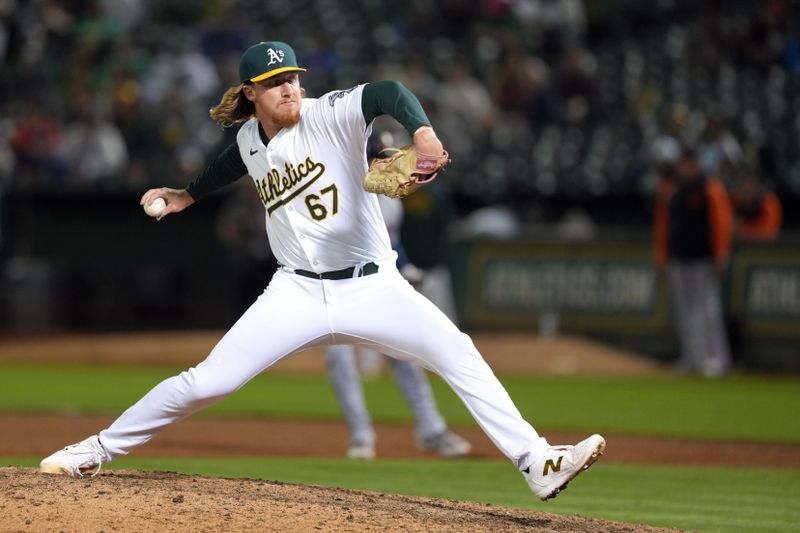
x=156, y=207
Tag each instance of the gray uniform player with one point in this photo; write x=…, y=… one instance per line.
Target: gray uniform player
x=431, y=431
x=338, y=283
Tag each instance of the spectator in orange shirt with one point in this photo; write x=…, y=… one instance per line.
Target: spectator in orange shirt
x=692, y=238
x=757, y=210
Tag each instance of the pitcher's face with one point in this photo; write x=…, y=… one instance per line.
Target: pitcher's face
x=277, y=98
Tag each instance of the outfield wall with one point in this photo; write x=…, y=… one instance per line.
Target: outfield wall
x=611, y=290
x=95, y=262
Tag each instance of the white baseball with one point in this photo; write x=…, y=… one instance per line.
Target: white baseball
x=155, y=208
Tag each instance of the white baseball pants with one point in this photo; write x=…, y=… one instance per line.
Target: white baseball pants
x=380, y=310
x=411, y=380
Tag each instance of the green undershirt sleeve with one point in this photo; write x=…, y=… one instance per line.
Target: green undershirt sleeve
x=394, y=99
x=224, y=170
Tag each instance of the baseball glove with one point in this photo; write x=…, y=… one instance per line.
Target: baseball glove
x=401, y=171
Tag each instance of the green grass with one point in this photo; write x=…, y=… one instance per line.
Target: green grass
x=704, y=499
x=739, y=408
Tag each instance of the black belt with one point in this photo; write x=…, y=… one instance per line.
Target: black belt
x=345, y=273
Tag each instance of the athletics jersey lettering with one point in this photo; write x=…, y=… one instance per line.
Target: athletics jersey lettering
x=274, y=185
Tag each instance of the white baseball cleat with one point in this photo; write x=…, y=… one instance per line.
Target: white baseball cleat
x=76, y=459
x=363, y=451
x=446, y=444
x=550, y=473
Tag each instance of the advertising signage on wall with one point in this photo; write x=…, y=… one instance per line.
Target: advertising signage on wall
x=765, y=290
x=773, y=292
x=614, y=288
x=546, y=285
x=591, y=287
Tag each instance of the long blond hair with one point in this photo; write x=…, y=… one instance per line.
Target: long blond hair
x=233, y=109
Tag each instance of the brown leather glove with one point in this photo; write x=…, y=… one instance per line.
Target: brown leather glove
x=402, y=171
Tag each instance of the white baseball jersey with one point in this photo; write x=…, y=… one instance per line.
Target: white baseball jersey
x=318, y=216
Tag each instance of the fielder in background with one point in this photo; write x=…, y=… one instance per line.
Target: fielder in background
x=430, y=428
x=338, y=282
x=692, y=239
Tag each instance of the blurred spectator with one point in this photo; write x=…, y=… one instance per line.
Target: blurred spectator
x=179, y=65
x=419, y=81
x=94, y=149
x=666, y=148
x=37, y=141
x=561, y=23
x=757, y=210
x=463, y=96
x=760, y=42
x=548, y=63
x=464, y=111
x=576, y=85
x=128, y=13
x=523, y=87
x=692, y=238
x=9, y=31
x=718, y=151
x=140, y=131
x=231, y=34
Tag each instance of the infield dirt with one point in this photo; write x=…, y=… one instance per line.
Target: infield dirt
x=40, y=435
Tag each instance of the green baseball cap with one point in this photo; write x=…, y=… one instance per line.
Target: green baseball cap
x=267, y=59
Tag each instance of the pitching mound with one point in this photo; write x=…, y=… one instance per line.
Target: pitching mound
x=133, y=501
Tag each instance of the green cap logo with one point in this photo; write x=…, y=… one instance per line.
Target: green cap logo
x=267, y=59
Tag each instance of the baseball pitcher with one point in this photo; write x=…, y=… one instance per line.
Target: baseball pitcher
x=338, y=282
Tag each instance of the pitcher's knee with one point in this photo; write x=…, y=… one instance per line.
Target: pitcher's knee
x=448, y=349
x=199, y=388
x=462, y=343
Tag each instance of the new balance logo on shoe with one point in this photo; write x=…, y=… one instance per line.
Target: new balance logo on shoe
x=549, y=465
x=551, y=472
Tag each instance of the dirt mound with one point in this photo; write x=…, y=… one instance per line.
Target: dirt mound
x=124, y=501
x=42, y=434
